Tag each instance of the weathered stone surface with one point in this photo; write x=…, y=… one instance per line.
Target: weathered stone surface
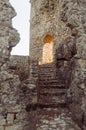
x=10, y=118
x=54, y=119
x=19, y=65
x=64, y=20
x=10, y=92
x=23, y=94
x=2, y=120
x=73, y=15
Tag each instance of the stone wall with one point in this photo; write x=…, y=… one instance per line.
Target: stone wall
x=64, y=20
x=13, y=99
x=19, y=65
x=73, y=16
x=44, y=22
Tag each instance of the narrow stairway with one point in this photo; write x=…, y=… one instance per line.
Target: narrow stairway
x=51, y=90
x=52, y=113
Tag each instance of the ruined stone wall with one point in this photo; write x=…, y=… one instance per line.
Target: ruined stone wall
x=20, y=65
x=44, y=21
x=64, y=20
x=13, y=96
x=73, y=16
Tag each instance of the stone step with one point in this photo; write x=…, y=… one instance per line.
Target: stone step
x=53, y=80
x=52, y=94
x=61, y=86
x=47, y=73
x=47, y=65
x=50, y=82
x=47, y=78
x=51, y=91
x=52, y=100
x=47, y=69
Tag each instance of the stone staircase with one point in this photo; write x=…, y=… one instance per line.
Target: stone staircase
x=51, y=89
x=51, y=112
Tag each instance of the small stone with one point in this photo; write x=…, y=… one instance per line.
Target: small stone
x=31, y=86
x=34, y=99
x=10, y=118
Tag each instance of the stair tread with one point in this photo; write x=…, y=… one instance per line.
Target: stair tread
x=55, y=87
x=52, y=91
x=52, y=94
x=51, y=85
x=47, y=65
x=50, y=81
x=54, y=99
x=53, y=79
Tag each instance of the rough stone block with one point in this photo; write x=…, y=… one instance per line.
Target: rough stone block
x=12, y=127
x=2, y=121
x=34, y=100
x=14, y=109
x=8, y=128
x=10, y=118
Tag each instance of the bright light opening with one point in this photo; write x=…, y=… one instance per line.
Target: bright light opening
x=48, y=49
x=21, y=23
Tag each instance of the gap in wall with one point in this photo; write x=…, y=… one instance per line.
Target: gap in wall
x=22, y=24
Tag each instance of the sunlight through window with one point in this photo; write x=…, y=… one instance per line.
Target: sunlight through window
x=48, y=49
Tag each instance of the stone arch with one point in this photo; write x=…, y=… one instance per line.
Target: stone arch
x=48, y=49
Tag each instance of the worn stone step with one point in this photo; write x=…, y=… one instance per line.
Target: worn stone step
x=52, y=94
x=53, y=79
x=47, y=65
x=46, y=69
x=46, y=78
x=53, y=86
x=51, y=83
x=47, y=74
x=48, y=100
x=52, y=91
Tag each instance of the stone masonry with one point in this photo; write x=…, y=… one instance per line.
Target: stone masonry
x=47, y=90
x=57, y=41
x=13, y=114
x=20, y=66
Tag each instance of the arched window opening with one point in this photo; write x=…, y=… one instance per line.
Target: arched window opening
x=48, y=49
